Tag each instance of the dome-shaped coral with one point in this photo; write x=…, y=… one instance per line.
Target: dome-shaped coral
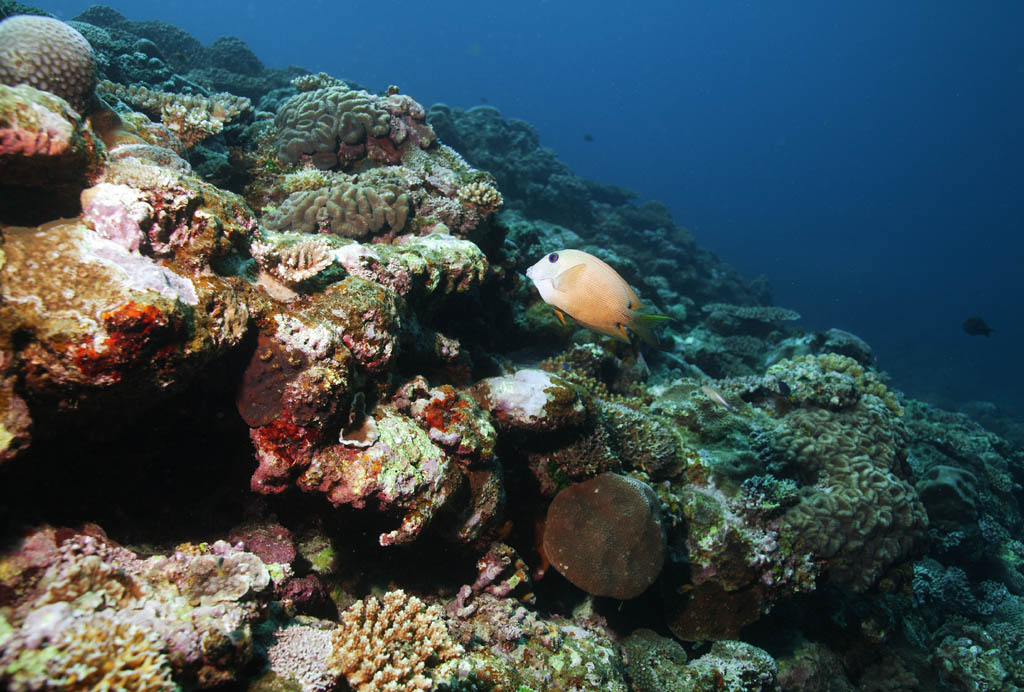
x=49, y=55
x=605, y=536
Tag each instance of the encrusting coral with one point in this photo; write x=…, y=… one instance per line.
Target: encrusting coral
x=386, y=645
x=99, y=651
x=96, y=613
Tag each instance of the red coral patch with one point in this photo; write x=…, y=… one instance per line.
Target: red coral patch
x=136, y=332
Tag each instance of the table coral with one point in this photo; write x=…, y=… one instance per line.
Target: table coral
x=191, y=118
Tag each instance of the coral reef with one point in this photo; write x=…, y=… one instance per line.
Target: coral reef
x=279, y=346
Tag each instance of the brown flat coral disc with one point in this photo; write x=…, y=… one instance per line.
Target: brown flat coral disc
x=605, y=536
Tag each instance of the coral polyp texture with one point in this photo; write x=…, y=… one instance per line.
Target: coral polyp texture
x=49, y=55
x=344, y=208
x=315, y=123
x=269, y=366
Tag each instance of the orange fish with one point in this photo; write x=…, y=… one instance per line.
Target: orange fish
x=580, y=285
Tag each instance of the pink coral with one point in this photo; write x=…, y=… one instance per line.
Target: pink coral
x=116, y=212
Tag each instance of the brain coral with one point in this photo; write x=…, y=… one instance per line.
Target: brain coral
x=605, y=535
x=343, y=208
x=49, y=55
x=317, y=122
x=855, y=511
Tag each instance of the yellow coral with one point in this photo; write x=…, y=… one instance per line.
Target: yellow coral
x=384, y=646
x=484, y=196
x=98, y=652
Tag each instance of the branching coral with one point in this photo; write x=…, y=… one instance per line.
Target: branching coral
x=386, y=645
x=484, y=196
x=191, y=118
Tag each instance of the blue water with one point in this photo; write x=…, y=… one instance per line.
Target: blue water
x=867, y=157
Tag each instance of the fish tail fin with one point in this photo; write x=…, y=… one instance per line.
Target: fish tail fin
x=643, y=326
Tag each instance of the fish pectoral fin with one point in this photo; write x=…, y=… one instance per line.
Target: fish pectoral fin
x=565, y=279
x=559, y=315
x=626, y=334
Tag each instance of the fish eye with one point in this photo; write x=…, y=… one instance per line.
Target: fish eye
x=553, y=257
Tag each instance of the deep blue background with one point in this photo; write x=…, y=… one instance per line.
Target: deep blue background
x=867, y=157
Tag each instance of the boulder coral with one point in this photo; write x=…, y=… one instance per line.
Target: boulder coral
x=49, y=55
x=605, y=535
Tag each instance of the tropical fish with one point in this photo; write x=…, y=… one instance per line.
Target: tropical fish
x=975, y=326
x=717, y=397
x=580, y=285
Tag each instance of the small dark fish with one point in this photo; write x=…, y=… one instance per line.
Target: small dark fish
x=975, y=326
x=483, y=99
x=784, y=389
x=588, y=138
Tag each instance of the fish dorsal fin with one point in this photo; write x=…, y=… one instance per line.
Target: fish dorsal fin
x=567, y=278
